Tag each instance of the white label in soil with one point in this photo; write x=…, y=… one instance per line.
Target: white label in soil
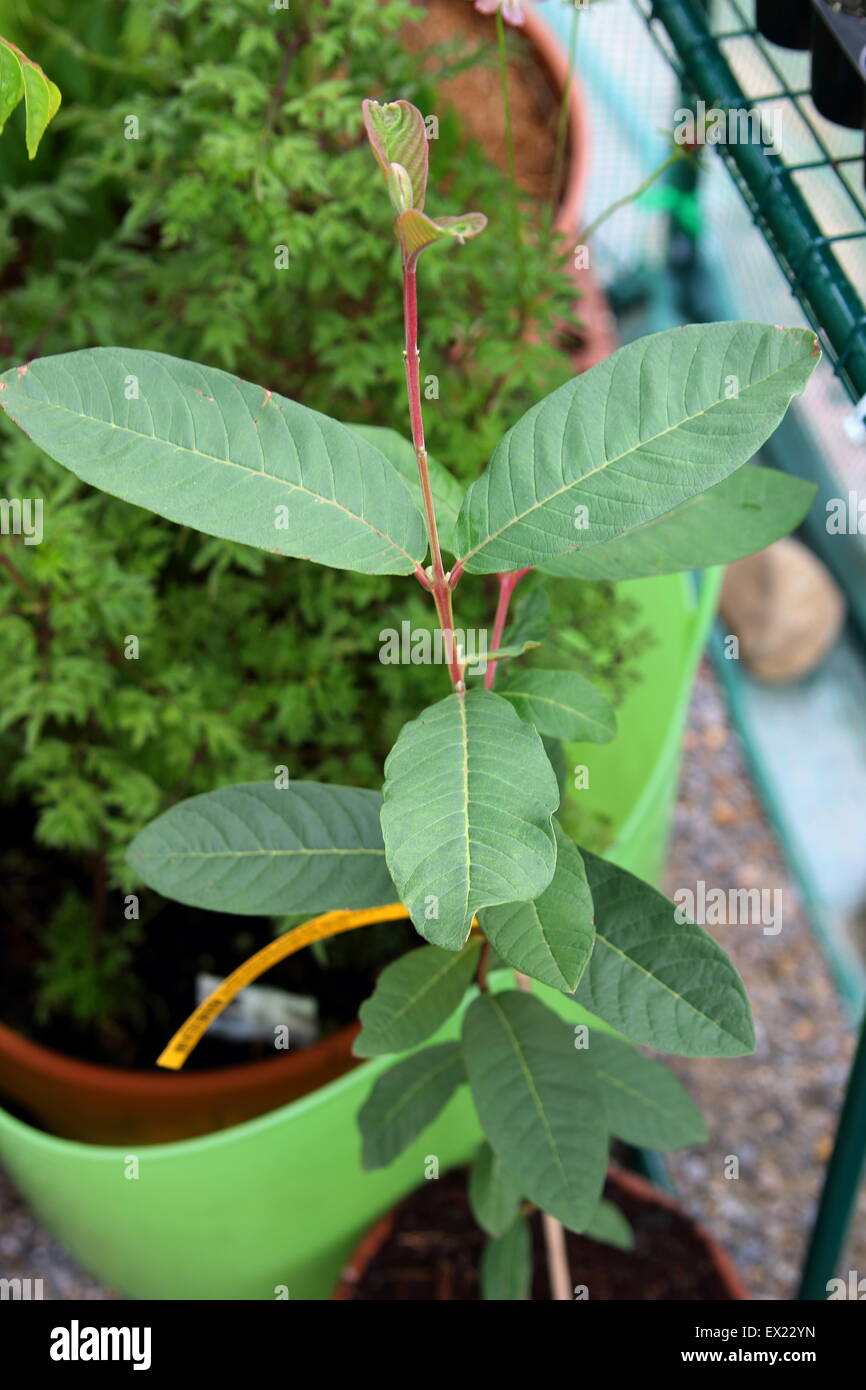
x=259, y=1010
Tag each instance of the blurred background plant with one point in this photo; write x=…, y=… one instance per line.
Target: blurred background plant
x=195, y=141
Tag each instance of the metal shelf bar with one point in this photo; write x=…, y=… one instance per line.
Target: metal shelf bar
x=780, y=208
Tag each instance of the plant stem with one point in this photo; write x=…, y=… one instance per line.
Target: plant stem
x=17, y=577
x=554, y=1235
x=439, y=582
x=483, y=966
x=507, y=584
x=509, y=152
x=562, y=127
x=672, y=159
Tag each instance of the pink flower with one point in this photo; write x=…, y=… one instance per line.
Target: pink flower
x=512, y=11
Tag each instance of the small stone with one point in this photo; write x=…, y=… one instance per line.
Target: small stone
x=724, y=813
x=715, y=737
x=786, y=609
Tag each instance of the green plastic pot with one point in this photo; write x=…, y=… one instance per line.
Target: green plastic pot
x=273, y=1207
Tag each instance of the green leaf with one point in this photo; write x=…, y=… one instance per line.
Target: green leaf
x=397, y=135
x=538, y=1102
x=510, y=653
x=204, y=449
x=21, y=78
x=662, y=983
x=506, y=1265
x=466, y=827
x=413, y=996
x=631, y=439
x=561, y=704
x=494, y=1196
x=610, y=1227
x=530, y=623
x=645, y=1103
x=406, y=1099
x=263, y=851
x=447, y=492
x=550, y=939
x=742, y=514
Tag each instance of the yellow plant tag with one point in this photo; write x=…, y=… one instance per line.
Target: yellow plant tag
x=328, y=924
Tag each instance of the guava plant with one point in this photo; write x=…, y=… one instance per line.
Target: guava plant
x=633, y=469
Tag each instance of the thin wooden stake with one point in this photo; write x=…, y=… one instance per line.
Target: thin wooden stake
x=554, y=1235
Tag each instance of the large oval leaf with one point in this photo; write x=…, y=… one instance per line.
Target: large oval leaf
x=538, y=1101
x=660, y=420
x=561, y=704
x=646, y=1105
x=202, y=448
x=406, y=1099
x=261, y=850
x=494, y=1196
x=413, y=996
x=468, y=803
x=740, y=515
x=447, y=492
x=661, y=982
x=550, y=939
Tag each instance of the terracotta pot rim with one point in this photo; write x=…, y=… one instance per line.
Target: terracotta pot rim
x=549, y=49
x=373, y=1240
x=97, y=1077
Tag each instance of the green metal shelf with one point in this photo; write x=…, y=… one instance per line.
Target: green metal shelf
x=811, y=208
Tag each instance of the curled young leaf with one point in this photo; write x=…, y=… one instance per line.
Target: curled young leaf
x=398, y=138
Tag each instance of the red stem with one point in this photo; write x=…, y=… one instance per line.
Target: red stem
x=507, y=584
x=438, y=582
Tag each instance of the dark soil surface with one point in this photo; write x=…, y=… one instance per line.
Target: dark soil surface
x=434, y=1249
x=176, y=944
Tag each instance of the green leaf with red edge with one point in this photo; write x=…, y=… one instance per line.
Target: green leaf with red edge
x=21, y=78
x=397, y=135
x=416, y=231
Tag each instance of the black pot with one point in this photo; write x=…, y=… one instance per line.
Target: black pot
x=785, y=22
x=837, y=86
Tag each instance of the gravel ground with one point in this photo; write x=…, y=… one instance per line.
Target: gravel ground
x=773, y=1112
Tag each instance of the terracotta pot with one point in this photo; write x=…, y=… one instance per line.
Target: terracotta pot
x=627, y=1183
x=113, y=1105
x=592, y=308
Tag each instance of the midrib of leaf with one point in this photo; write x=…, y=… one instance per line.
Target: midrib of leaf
x=533, y=1092
x=258, y=853
x=406, y=1096
x=606, y=463
x=529, y=696
x=618, y=1084
x=673, y=992
x=230, y=463
x=546, y=943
